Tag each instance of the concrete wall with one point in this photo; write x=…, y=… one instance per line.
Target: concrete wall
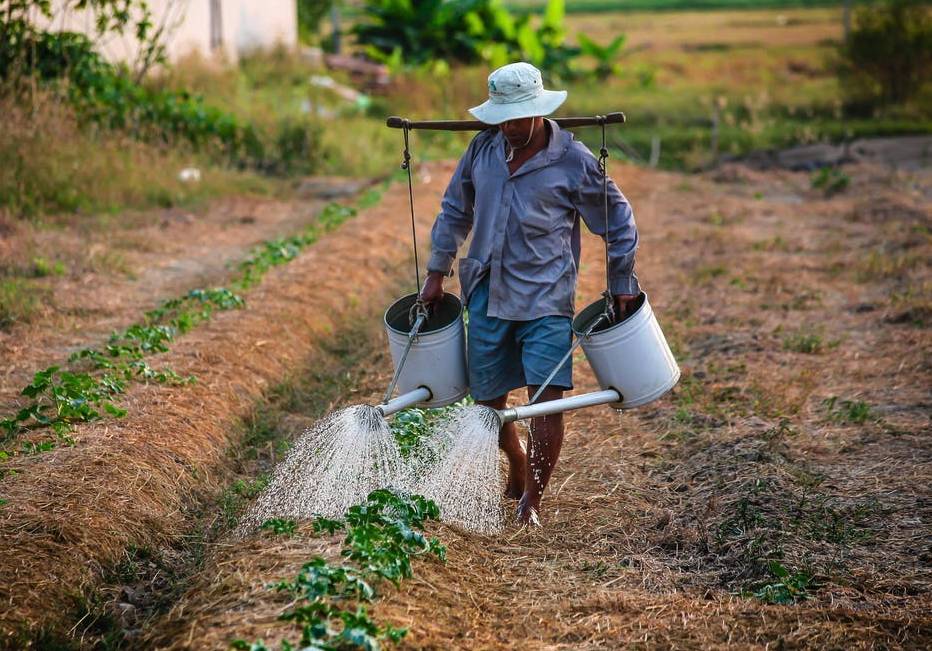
x=241, y=26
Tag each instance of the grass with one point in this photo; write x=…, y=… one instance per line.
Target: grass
x=20, y=300
x=804, y=341
x=50, y=164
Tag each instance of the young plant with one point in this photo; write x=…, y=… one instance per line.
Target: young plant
x=381, y=537
x=847, y=411
x=280, y=526
x=789, y=588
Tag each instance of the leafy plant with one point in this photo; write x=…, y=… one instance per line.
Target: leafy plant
x=847, y=411
x=830, y=180
x=280, y=526
x=790, y=587
x=803, y=342
x=381, y=537
x=605, y=55
x=467, y=31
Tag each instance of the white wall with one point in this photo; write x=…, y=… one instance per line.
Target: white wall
x=247, y=25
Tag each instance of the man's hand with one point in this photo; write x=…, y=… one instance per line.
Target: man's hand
x=624, y=306
x=433, y=288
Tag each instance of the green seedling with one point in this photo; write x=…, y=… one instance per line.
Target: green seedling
x=280, y=526
x=800, y=342
x=382, y=535
x=847, y=411
x=790, y=587
x=830, y=180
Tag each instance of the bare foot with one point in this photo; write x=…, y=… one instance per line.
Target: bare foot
x=528, y=512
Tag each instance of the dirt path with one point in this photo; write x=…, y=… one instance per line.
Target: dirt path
x=662, y=523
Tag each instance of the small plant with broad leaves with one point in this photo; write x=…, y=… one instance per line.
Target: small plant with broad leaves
x=280, y=526
x=847, y=411
x=382, y=535
x=606, y=56
x=790, y=586
x=830, y=180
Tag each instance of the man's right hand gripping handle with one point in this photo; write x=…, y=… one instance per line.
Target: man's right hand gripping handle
x=433, y=288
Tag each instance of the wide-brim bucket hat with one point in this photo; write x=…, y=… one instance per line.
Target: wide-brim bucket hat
x=517, y=91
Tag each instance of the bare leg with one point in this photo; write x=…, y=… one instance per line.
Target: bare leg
x=544, y=443
x=511, y=446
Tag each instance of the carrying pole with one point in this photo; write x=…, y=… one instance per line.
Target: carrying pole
x=396, y=122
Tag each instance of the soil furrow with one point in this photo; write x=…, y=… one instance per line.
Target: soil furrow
x=72, y=513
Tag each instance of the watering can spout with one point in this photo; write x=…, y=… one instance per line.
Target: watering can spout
x=558, y=406
x=405, y=400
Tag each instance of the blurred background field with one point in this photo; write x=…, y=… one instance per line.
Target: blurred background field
x=699, y=81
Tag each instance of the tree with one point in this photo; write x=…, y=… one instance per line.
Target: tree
x=888, y=54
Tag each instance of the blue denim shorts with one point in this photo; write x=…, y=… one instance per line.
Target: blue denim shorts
x=503, y=355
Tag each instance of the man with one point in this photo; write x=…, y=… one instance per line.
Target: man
x=521, y=189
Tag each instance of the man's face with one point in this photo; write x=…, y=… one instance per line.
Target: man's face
x=517, y=131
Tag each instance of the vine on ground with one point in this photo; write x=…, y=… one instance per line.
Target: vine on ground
x=382, y=535
x=61, y=398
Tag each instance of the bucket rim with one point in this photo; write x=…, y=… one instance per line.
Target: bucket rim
x=580, y=329
x=407, y=297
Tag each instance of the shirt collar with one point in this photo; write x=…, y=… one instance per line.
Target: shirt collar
x=559, y=142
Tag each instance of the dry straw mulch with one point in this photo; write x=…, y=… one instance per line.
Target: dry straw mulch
x=660, y=522
x=71, y=513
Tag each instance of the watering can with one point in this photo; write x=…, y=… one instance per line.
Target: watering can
x=429, y=355
x=631, y=361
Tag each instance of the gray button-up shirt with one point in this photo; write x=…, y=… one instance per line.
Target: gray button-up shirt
x=525, y=225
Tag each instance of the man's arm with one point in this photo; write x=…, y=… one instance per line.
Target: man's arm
x=451, y=227
x=622, y=236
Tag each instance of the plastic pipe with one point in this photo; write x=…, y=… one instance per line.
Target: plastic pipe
x=558, y=406
x=405, y=400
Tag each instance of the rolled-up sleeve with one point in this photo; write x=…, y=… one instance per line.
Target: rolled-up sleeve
x=622, y=234
x=456, y=216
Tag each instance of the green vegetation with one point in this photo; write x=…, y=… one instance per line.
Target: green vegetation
x=888, y=55
x=803, y=341
x=382, y=536
x=280, y=526
x=847, y=411
x=237, y=497
x=409, y=427
x=19, y=300
x=830, y=180
x=60, y=398
x=428, y=31
x=789, y=588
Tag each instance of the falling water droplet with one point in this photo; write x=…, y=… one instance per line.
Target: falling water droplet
x=459, y=470
x=331, y=467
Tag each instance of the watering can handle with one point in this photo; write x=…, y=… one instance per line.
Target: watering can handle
x=396, y=122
